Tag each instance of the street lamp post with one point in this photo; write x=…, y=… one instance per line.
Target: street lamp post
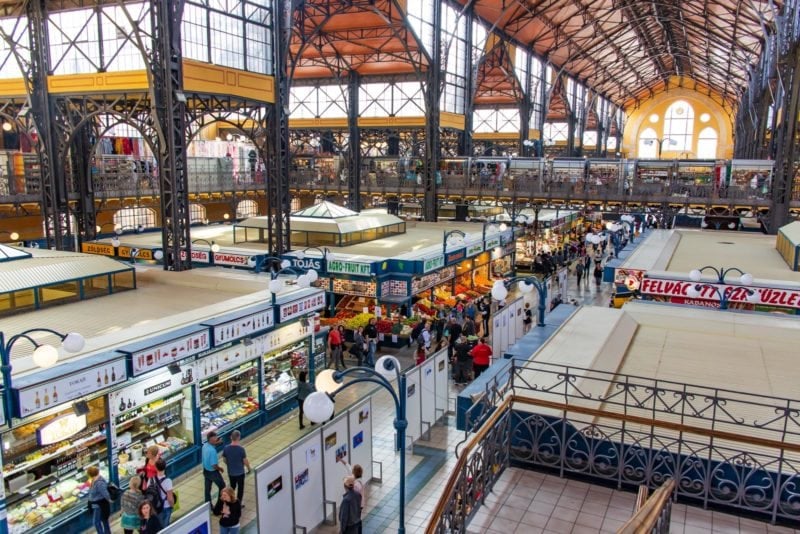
x=459, y=239
x=724, y=294
x=319, y=406
x=211, y=244
x=43, y=355
x=304, y=278
x=661, y=142
x=526, y=285
x=498, y=228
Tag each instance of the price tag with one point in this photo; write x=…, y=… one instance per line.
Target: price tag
x=377, y=312
x=365, y=309
x=380, y=337
x=394, y=338
x=42, y=500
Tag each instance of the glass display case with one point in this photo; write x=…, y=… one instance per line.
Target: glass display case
x=228, y=397
x=279, y=365
x=44, y=465
x=165, y=422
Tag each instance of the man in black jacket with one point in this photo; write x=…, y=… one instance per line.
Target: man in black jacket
x=463, y=361
x=371, y=334
x=350, y=510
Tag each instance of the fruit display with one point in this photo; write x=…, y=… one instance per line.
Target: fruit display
x=47, y=503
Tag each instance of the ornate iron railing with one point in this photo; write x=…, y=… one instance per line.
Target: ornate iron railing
x=722, y=447
x=480, y=463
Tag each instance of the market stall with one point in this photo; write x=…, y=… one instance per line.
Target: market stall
x=54, y=440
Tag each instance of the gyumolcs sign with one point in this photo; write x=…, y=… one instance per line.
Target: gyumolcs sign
x=768, y=296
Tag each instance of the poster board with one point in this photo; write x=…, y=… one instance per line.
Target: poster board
x=442, y=372
x=413, y=406
x=496, y=322
x=360, y=434
x=274, y=495
x=307, y=481
x=335, y=445
x=428, y=393
x=197, y=521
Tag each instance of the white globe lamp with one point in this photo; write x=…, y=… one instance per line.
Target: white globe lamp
x=525, y=287
x=275, y=286
x=285, y=264
x=214, y=247
x=693, y=292
x=499, y=291
x=325, y=382
x=45, y=356
x=318, y=407
x=158, y=255
x=73, y=342
x=387, y=367
x=754, y=297
x=746, y=279
x=312, y=275
x=303, y=281
x=695, y=275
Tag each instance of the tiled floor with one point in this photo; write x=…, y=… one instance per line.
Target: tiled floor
x=529, y=502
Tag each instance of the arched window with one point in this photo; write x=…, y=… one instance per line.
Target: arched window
x=246, y=208
x=133, y=218
x=648, y=144
x=707, y=143
x=679, y=126
x=197, y=214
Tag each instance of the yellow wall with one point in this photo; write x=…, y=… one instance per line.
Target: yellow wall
x=639, y=120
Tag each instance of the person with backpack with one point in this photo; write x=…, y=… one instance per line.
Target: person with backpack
x=99, y=500
x=165, y=493
x=417, y=331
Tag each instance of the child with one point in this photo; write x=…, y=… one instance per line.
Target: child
x=421, y=353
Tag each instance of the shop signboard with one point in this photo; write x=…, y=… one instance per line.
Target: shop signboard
x=305, y=263
x=243, y=326
x=350, y=267
x=631, y=278
x=397, y=288
x=228, y=358
x=281, y=337
x=60, y=428
x=73, y=386
x=432, y=264
x=152, y=388
x=510, y=248
x=301, y=307
x=141, y=254
x=97, y=248
x=233, y=260
x=768, y=296
x=168, y=352
x=198, y=256
x=397, y=266
x=431, y=280
x=456, y=256
x=492, y=243
x=473, y=250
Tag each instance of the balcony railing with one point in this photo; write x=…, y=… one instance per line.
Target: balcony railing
x=722, y=448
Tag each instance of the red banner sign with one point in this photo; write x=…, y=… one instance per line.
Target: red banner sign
x=770, y=296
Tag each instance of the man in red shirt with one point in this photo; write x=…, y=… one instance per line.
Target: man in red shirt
x=335, y=344
x=481, y=357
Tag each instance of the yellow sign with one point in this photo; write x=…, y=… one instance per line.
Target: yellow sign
x=143, y=254
x=97, y=248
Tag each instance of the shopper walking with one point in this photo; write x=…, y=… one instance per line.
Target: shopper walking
x=130, y=505
x=371, y=333
x=99, y=500
x=481, y=357
x=304, y=389
x=528, y=320
x=598, y=273
x=453, y=333
x=148, y=520
x=483, y=308
x=350, y=509
x=231, y=512
x=587, y=262
x=463, y=361
x=236, y=459
x=148, y=470
x=167, y=494
x=212, y=471
x=335, y=344
x=359, y=347
x=579, y=272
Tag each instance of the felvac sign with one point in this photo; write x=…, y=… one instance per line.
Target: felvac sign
x=349, y=267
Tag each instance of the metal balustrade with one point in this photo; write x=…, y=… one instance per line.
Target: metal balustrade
x=722, y=448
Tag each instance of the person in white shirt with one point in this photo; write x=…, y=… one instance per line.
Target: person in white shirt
x=357, y=471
